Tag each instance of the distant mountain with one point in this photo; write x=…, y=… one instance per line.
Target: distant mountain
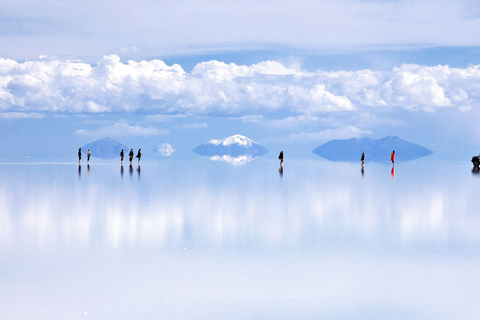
x=378, y=150
x=235, y=149
x=105, y=148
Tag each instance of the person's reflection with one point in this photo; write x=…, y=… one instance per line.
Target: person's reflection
x=130, y=170
x=280, y=172
x=138, y=171
x=79, y=171
x=393, y=173
x=121, y=170
x=363, y=172
x=475, y=170
x=88, y=170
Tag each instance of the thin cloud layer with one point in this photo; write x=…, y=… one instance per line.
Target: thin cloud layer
x=192, y=126
x=227, y=90
x=21, y=115
x=122, y=128
x=31, y=28
x=329, y=134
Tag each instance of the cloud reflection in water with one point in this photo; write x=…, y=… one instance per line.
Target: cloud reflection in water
x=232, y=211
x=203, y=240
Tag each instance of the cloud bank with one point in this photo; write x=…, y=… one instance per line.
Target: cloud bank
x=227, y=90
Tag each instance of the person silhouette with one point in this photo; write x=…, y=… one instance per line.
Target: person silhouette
x=363, y=159
x=79, y=155
x=122, y=154
x=280, y=157
x=88, y=156
x=392, y=157
x=139, y=155
x=130, y=156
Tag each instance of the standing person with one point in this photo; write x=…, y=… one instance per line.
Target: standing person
x=139, y=155
x=363, y=159
x=280, y=157
x=122, y=154
x=88, y=156
x=130, y=156
x=79, y=155
x=392, y=157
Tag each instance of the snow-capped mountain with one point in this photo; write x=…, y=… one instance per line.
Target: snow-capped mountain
x=105, y=148
x=232, y=140
x=378, y=150
x=236, y=146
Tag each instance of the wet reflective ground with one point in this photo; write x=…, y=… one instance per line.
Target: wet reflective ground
x=208, y=240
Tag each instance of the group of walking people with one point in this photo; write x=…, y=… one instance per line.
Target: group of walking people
x=139, y=156
x=122, y=155
x=392, y=158
x=130, y=156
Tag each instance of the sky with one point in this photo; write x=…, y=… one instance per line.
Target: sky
x=289, y=75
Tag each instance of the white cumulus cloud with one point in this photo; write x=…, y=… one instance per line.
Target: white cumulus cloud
x=227, y=90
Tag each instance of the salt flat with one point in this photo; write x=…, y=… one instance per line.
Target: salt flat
x=208, y=240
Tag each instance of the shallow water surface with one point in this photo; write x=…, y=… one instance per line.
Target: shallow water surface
x=208, y=240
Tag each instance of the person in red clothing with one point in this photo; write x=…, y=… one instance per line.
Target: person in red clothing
x=392, y=157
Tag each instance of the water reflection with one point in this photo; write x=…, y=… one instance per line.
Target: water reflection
x=475, y=170
x=238, y=160
x=222, y=241
x=254, y=212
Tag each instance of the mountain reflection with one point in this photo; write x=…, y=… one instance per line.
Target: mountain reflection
x=240, y=160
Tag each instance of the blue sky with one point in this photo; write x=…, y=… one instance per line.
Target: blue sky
x=290, y=75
